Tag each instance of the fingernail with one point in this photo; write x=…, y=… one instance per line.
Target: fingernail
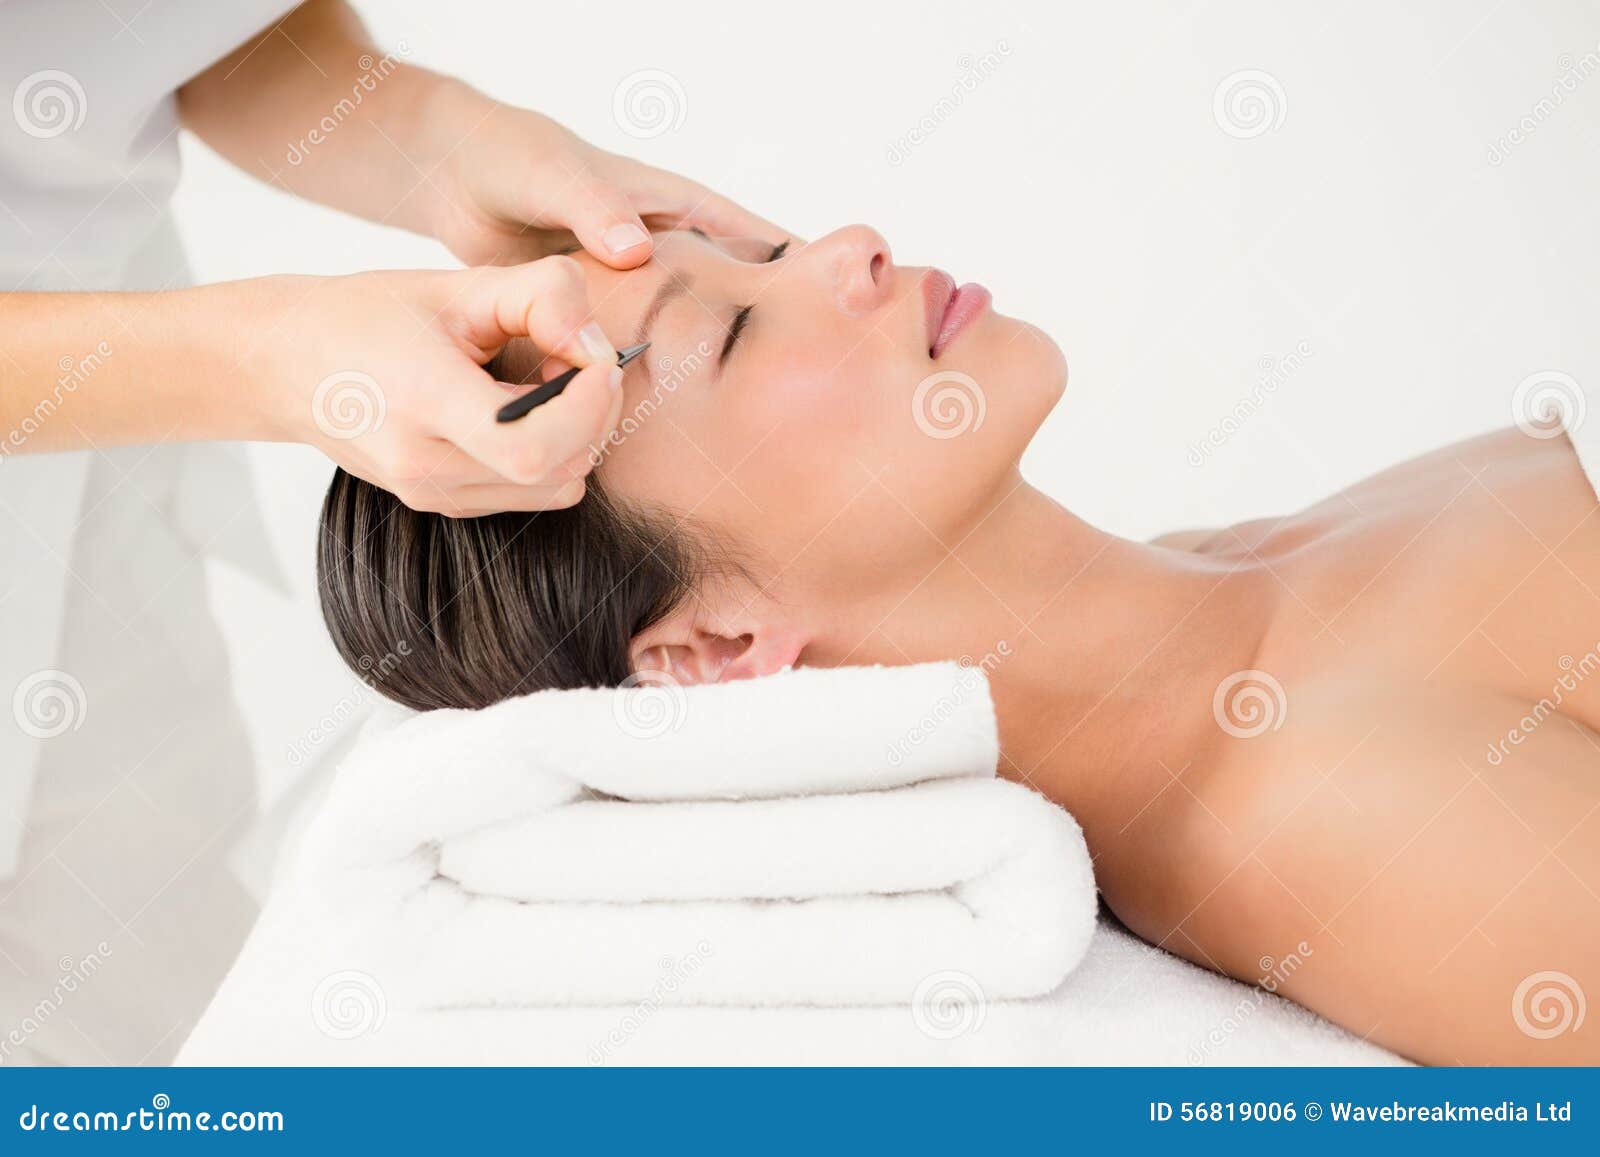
x=595, y=343
x=616, y=377
x=621, y=238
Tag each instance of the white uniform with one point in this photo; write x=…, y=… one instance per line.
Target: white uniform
x=125, y=772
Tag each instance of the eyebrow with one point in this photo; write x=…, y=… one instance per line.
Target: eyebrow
x=671, y=288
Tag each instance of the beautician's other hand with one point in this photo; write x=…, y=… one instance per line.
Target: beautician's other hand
x=426, y=152
x=514, y=186
x=383, y=372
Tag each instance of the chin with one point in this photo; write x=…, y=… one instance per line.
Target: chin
x=1039, y=352
x=1026, y=363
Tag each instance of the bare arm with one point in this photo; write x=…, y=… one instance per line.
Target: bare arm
x=1446, y=908
x=382, y=371
x=87, y=370
x=314, y=106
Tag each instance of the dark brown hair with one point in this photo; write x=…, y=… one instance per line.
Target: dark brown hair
x=463, y=612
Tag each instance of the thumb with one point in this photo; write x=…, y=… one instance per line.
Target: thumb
x=603, y=220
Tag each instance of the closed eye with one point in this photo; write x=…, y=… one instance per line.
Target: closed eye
x=742, y=318
x=739, y=321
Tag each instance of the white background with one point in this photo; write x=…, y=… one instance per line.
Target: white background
x=1087, y=182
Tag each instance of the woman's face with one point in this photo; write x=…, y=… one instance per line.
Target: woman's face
x=836, y=417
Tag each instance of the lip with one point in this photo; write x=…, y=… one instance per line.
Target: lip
x=950, y=309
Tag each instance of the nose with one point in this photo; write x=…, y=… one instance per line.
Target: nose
x=857, y=259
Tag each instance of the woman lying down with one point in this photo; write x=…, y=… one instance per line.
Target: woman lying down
x=779, y=495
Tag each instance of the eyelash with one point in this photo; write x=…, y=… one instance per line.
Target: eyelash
x=741, y=318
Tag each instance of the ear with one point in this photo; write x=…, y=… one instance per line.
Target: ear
x=697, y=644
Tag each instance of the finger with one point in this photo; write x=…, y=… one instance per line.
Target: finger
x=538, y=447
x=603, y=219
x=466, y=499
x=721, y=217
x=439, y=465
x=678, y=203
x=477, y=501
x=546, y=301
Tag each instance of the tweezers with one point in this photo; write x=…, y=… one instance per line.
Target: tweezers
x=535, y=398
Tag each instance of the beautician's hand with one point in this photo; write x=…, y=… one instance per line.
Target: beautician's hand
x=382, y=372
x=515, y=186
x=498, y=185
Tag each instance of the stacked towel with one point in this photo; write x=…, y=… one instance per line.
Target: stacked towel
x=816, y=837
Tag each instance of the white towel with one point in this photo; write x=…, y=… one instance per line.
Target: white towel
x=1126, y=1004
x=816, y=837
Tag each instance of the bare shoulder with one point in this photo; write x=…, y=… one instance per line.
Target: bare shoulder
x=1427, y=888
x=1244, y=536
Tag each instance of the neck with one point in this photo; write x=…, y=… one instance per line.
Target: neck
x=1103, y=654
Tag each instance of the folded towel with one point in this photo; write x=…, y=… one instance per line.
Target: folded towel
x=816, y=837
